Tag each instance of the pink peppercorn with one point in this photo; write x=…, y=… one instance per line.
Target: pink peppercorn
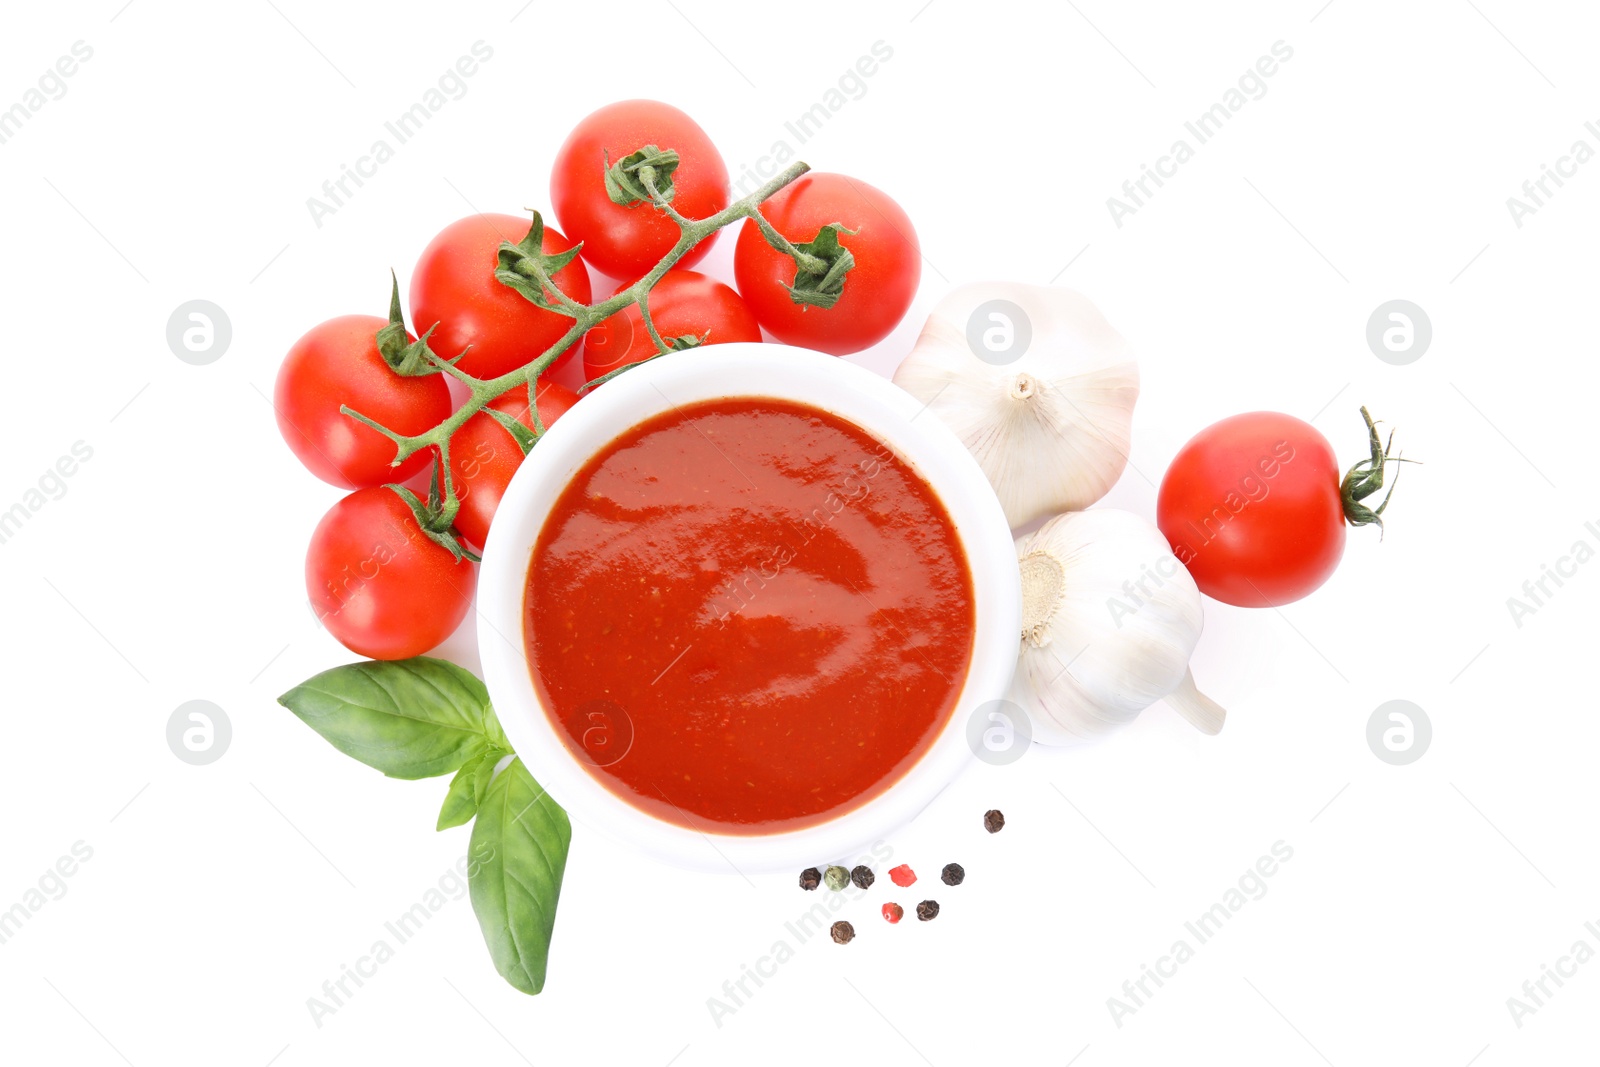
x=893, y=912
x=902, y=875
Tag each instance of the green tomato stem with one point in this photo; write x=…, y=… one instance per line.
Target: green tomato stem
x=648, y=176
x=585, y=317
x=650, y=323
x=1366, y=477
x=805, y=261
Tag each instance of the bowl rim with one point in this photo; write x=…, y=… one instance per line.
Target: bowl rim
x=729, y=371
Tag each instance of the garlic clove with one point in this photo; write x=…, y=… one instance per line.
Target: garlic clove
x=1203, y=713
x=1110, y=621
x=1038, y=386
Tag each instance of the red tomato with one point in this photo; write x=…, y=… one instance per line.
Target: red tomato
x=454, y=286
x=877, y=290
x=1251, y=506
x=682, y=303
x=483, y=455
x=378, y=583
x=626, y=241
x=338, y=363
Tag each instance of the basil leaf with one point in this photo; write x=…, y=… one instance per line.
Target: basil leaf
x=520, y=841
x=485, y=775
x=461, y=802
x=468, y=787
x=412, y=718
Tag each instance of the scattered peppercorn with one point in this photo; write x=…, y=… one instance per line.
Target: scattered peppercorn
x=928, y=909
x=810, y=878
x=893, y=912
x=836, y=878
x=862, y=876
x=993, y=821
x=843, y=933
x=902, y=875
x=953, y=874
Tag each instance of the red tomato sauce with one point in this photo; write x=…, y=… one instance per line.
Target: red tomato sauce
x=748, y=616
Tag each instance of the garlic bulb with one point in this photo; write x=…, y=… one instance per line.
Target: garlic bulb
x=1109, y=621
x=1038, y=386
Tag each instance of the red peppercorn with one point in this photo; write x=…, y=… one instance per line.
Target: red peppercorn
x=893, y=912
x=902, y=875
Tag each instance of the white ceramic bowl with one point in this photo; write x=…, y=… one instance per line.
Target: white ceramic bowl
x=716, y=372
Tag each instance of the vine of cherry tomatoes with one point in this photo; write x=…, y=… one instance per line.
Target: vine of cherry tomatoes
x=390, y=573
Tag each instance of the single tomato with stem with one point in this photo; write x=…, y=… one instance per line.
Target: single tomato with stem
x=368, y=363
x=795, y=255
x=1255, y=506
x=380, y=581
x=456, y=292
x=601, y=183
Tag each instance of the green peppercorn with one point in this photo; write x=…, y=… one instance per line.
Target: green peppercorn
x=862, y=876
x=810, y=878
x=836, y=878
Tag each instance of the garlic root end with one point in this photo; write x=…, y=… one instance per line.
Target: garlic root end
x=1044, y=583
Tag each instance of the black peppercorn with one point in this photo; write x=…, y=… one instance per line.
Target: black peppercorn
x=993, y=821
x=810, y=878
x=862, y=876
x=843, y=933
x=928, y=909
x=953, y=874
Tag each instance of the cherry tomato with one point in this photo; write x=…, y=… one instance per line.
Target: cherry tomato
x=683, y=303
x=877, y=290
x=1251, y=505
x=483, y=455
x=378, y=583
x=454, y=286
x=626, y=241
x=338, y=363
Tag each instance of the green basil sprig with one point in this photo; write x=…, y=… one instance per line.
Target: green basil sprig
x=422, y=717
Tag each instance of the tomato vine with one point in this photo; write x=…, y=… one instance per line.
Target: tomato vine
x=526, y=268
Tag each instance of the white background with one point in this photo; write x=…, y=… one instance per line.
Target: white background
x=1377, y=166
